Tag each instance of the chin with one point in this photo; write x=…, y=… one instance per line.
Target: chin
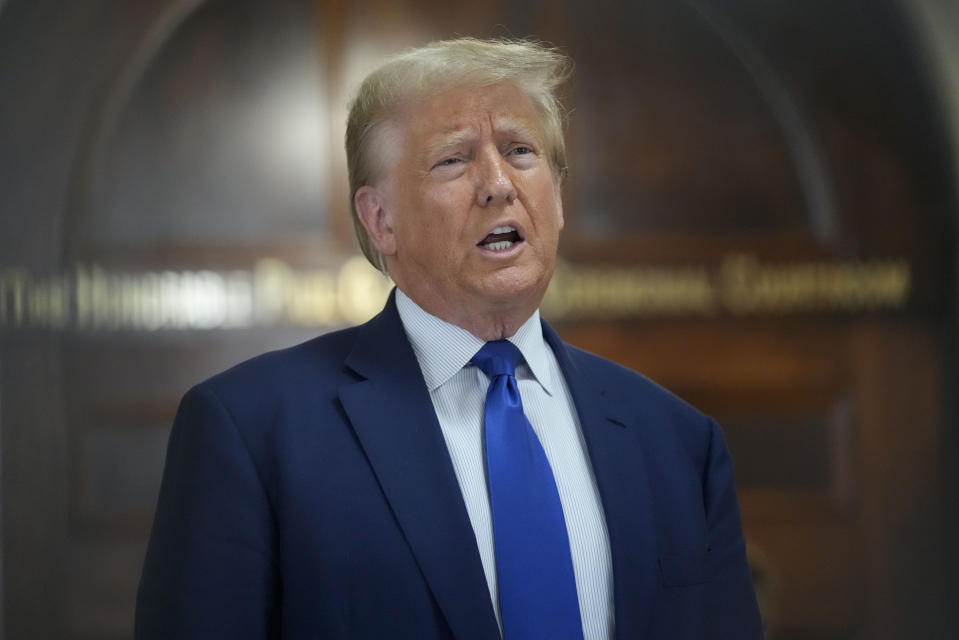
x=513, y=287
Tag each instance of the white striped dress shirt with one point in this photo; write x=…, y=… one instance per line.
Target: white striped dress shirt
x=458, y=391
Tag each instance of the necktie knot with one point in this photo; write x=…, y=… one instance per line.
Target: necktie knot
x=498, y=358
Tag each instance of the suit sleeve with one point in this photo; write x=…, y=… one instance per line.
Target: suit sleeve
x=731, y=606
x=210, y=568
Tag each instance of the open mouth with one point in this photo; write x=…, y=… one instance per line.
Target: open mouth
x=501, y=238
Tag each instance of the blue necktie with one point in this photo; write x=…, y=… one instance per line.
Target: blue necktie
x=537, y=588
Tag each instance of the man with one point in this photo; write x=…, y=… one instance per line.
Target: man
x=450, y=469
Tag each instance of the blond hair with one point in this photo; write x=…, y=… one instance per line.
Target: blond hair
x=535, y=69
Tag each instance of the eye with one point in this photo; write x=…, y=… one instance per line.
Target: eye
x=521, y=150
x=448, y=162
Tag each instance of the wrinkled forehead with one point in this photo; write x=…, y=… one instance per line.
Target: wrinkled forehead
x=471, y=110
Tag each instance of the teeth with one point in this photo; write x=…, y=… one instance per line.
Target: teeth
x=502, y=245
x=503, y=229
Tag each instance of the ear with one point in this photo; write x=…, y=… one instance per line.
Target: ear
x=373, y=211
x=558, y=194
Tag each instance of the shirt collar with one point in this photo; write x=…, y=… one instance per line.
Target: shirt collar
x=442, y=349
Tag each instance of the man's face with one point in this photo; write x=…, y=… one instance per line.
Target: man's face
x=470, y=207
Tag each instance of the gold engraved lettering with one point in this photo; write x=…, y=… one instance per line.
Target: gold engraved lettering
x=273, y=293
x=748, y=286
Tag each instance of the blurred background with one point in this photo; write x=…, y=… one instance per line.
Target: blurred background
x=761, y=215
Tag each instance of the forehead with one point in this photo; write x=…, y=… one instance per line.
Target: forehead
x=500, y=107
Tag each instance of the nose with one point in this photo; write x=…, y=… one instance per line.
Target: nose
x=493, y=181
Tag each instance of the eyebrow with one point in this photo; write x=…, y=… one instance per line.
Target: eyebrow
x=513, y=129
x=450, y=140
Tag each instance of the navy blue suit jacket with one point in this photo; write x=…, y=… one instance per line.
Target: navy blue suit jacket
x=308, y=493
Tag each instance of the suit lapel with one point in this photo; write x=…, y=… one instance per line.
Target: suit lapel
x=393, y=417
x=614, y=448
